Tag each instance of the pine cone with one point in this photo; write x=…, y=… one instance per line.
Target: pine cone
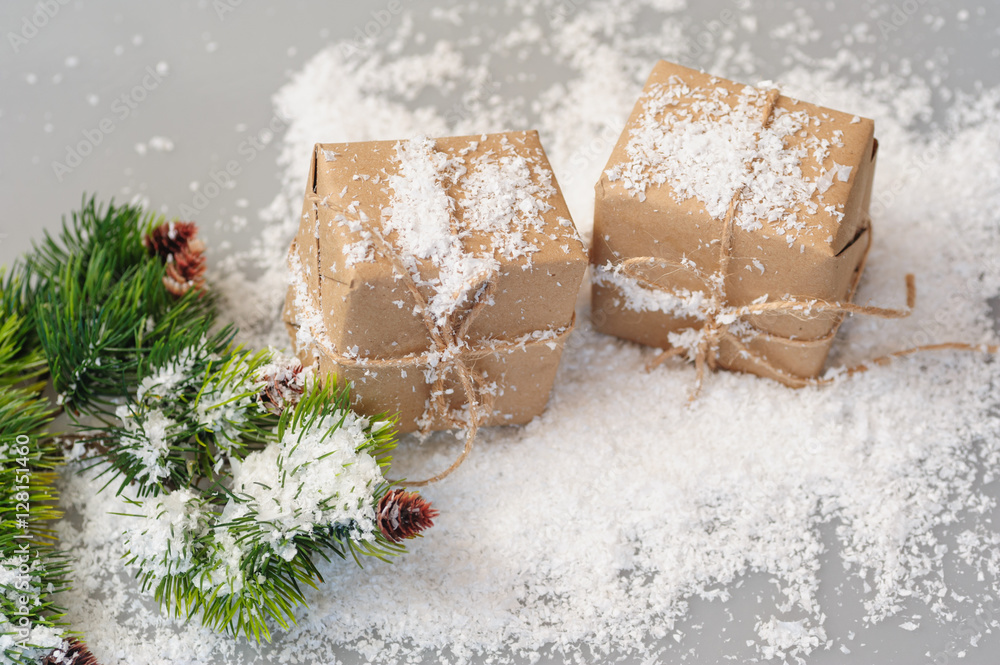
x=177, y=243
x=170, y=237
x=402, y=515
x=75, y=653
x=285, y=383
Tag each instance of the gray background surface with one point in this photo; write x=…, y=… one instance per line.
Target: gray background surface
x=215, y=94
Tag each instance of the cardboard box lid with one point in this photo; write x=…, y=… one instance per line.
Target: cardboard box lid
x=690, y=138
x=499, y=199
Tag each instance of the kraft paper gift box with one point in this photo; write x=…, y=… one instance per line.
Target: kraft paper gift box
x=437, y=277
x=724, y=214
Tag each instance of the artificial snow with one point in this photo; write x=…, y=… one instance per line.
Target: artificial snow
x=596, y=528
x=309, y=479
x=702, y=148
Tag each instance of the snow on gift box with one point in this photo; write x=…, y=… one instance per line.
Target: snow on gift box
x=731, y=225
x=439, y=277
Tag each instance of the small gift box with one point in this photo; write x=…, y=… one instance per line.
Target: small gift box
x=438, y=277
x=731, y=225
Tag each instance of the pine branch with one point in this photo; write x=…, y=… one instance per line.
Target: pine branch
x=33, y=568
x=278, y=493
x=21, y=361
x=190, y=412
x=101, y=306
x=117, y=230
x=241, y=472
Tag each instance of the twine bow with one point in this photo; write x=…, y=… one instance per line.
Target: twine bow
x=719, y=316
x=450, y=353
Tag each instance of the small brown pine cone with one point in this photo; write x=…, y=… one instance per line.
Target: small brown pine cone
x=402, y=515
x=185, y=270
x=177, y=243
x=170, y=238
x=271, y=399
x=75, y=653
x=284, y=387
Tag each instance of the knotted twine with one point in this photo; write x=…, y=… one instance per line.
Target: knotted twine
x=719, y=316
x=450, y=353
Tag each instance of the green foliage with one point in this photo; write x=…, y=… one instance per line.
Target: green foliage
x=116, y=230
x=212, y=551
x=240, y=473
x=191, y=410
x=100, y=307
x=32, y=568
x=21, y=361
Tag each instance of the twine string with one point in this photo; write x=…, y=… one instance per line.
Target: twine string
x=446, y=340
x=719, y=316
x=450, y=353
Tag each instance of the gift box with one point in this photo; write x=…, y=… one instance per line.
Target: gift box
x=438, y=277
x=731, y=225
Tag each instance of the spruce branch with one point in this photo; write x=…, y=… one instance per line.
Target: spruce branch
x=21, y=361
x=290, y=490
x=100, y=304
x=240, y=472
x=118, y=230
x=32, y=568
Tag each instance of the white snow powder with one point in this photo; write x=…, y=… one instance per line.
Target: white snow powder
x=420, y=214
x=599, y=525
x=699, y=142
x=308, y=479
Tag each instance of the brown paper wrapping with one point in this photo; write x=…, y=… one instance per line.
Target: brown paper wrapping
x=825, y=262
x=369, y=312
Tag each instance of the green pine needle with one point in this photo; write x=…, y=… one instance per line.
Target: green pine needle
x=28, y=499
x=157, y=384
x=100, y=306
